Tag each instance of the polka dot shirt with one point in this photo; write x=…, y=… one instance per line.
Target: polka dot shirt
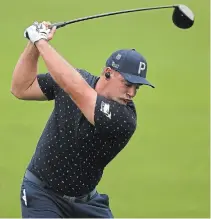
x=71, y=153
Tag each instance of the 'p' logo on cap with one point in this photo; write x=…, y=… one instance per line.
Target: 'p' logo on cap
x=142, y=67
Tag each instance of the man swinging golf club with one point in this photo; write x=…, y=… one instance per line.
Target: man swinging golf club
x=92, y=121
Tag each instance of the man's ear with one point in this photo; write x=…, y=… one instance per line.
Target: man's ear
x=107, y=69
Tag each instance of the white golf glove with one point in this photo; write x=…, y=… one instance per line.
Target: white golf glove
x=36, y=32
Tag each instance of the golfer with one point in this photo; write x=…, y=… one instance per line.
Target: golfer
x=93, y=119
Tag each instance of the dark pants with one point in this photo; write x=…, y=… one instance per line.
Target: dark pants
x=40, y=202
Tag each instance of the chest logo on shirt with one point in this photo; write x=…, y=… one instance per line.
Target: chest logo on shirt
x=105, y=108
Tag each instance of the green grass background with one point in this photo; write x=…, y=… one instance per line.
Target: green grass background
x=164, y=170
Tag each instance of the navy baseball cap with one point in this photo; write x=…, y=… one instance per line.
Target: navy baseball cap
x=130, y=64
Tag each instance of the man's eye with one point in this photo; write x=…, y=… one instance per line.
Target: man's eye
x=128, y=84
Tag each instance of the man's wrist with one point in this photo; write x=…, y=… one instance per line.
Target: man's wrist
x=32, y=50
x=41, y=42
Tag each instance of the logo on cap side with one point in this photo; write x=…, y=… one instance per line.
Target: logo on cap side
x=118, y=57
x=115, y=65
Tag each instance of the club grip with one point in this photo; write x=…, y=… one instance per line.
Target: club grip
x=58, y=25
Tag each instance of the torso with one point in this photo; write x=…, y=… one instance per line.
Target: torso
x=72, y=153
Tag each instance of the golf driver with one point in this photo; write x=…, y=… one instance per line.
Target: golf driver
x=182, y=16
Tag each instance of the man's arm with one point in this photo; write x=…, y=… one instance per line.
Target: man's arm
x=24, y=83
x=69, y=79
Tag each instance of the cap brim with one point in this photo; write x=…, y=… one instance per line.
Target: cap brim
x=134, y=79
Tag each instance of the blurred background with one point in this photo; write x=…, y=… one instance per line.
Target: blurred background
x=164, y=170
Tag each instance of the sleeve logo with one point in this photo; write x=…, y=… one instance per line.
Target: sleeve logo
x=105, y=108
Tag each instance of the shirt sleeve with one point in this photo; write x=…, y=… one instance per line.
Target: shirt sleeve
x=113, y=118
x=47, y=85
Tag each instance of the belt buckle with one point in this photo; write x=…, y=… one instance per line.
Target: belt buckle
x=83, y=198
x=69, y=198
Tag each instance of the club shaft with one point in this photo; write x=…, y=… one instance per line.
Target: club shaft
x=62, y=24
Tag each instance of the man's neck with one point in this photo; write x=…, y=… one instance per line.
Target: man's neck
x=99, y=87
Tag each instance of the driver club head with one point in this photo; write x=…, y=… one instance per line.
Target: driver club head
x=183, y=17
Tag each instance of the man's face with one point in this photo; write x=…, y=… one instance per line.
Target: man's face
x=120, y=90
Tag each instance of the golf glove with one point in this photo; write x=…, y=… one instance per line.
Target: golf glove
x=36, y=32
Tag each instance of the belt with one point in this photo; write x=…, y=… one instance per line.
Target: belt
x=30, y=176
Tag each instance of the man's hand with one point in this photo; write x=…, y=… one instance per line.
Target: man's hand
x=38, y=31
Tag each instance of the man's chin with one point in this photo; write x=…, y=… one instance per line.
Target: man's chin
x=122, y=101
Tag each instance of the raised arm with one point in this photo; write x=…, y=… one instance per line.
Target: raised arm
x=65, y=75
x=24, y=84
x=69, y=79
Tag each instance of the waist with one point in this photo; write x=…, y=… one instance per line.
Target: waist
x=31, y=177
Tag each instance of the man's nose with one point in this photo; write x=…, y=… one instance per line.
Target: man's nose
x=131, y=91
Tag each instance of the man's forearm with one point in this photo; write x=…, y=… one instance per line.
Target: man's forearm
x=25, y=70
x=65, y=75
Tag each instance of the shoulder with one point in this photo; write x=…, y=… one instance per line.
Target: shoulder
x=85, y=74
x=110, y=116
x=90, y=78
x=132, y=107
